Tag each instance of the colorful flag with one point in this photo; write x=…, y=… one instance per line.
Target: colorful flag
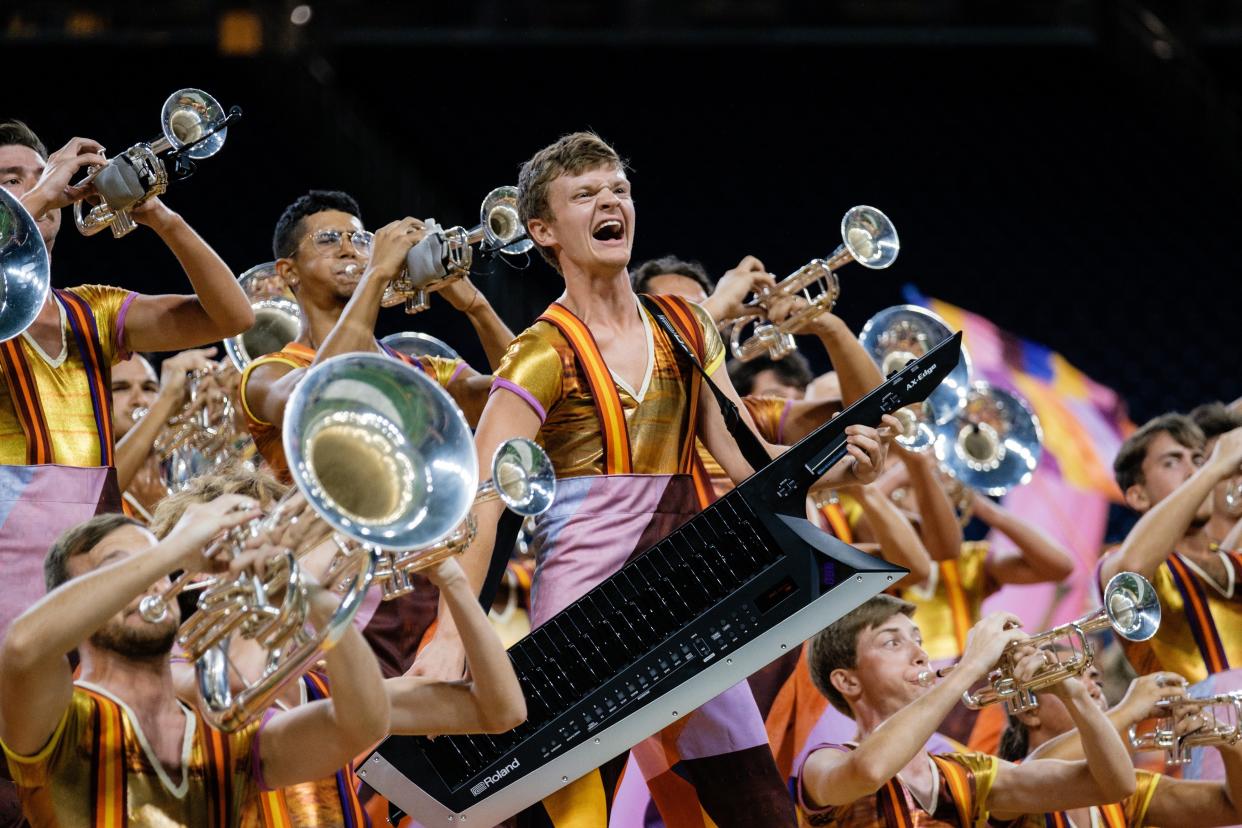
x=1084, y=424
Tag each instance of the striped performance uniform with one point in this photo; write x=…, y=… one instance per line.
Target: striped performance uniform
x=1130, y=812
x=962, y=783
x=98, y=770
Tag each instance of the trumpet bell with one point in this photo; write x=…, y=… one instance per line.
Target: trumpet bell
x=380, y=451
x=870, y=237
x=523, y=477
x=993, y=445
x=277, y=316
x=24, y=266
x=415, y=344
x=501, y=223
x=897, y=336
x=1132, y=606
x=187, y=116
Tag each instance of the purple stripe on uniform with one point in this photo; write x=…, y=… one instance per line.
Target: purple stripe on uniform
x=120, y=325
x=461, y=366
x=508, y=385
x=780, y=427
x=102, y=408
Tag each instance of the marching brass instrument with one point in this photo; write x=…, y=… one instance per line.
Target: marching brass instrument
x=25, y=271
x=894, y=338
x=194, y=126
x=1131, y=608
x=201, y=436
x=991, y=446
x=446, y=254
x=277, y=316
x=868, y=237
x=415, y=344
x=1222, y=719
x=522, y=477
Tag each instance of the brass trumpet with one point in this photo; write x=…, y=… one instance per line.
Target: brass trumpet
x=25, y=271
x=194, y=126
x=1222, y=715
x=1131, y=608
x=446, y=254
x=277, y=316
x=868, y=237
x=894, y=338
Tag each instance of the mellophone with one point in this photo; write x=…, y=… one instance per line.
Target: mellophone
x=731, y=590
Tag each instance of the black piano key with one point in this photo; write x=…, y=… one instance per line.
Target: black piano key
x=597, y=662
x=706, y=538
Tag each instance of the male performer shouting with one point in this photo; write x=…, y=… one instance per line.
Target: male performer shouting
x=617, y=408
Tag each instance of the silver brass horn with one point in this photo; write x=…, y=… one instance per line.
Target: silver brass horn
x=381, y=451
x=446, y=254
x=897, y=336
x=867, y=236
x=415, y=344
x=993, y=445
x=277, y=316
x=193, y=126
x=522, y=477
x=24, y=267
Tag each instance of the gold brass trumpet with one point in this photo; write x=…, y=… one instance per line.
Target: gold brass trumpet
x=194, y=126
x=1222, y=720
x=522, y=477
x=1131, y=608
x=868, y=237
x=446, y=254
x=277, y=316
x=25, y=271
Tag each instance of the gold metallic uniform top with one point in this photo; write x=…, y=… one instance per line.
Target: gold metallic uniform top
x=951, y=603
x=62, y=384
x=98, y=769
x=1130, y=812
x=540, y=367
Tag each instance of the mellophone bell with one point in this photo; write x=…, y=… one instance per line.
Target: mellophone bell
x=385, y=461
x=25, y=271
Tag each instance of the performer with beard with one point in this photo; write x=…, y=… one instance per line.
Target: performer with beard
x=116, y=746
x=1163, y=475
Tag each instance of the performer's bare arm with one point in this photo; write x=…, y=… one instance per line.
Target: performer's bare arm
x=36, y=681
x=938, y=525
x=1162, y=526
x=490, y=701
x=1038, y=558
x=507, y=415
x=493, y=333
x=899, y=542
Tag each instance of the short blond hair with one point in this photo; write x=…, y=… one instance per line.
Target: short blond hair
x=571, y=155
x=238, y=479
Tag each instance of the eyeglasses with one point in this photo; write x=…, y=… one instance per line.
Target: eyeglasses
x=328, y=242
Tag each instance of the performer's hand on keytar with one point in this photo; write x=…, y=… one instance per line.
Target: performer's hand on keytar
x=867, y=449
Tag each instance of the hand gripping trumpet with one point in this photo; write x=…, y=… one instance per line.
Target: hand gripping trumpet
x=1221, y=716
x=1131, y=608
x=894, y=338
x=194, y=127
x=446, y=254
x=868, y=237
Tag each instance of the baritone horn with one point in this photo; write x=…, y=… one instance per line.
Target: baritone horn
x=1221, y=716
x=277, y=316
x=1131, y=608
x=384, y=458
x=24, y=267
x=522, y=477
x=446, y=254
x=894, y=338
x=867, y=236
x=193, y=127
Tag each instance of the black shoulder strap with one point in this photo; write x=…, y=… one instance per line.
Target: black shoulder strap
x=751, y=448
